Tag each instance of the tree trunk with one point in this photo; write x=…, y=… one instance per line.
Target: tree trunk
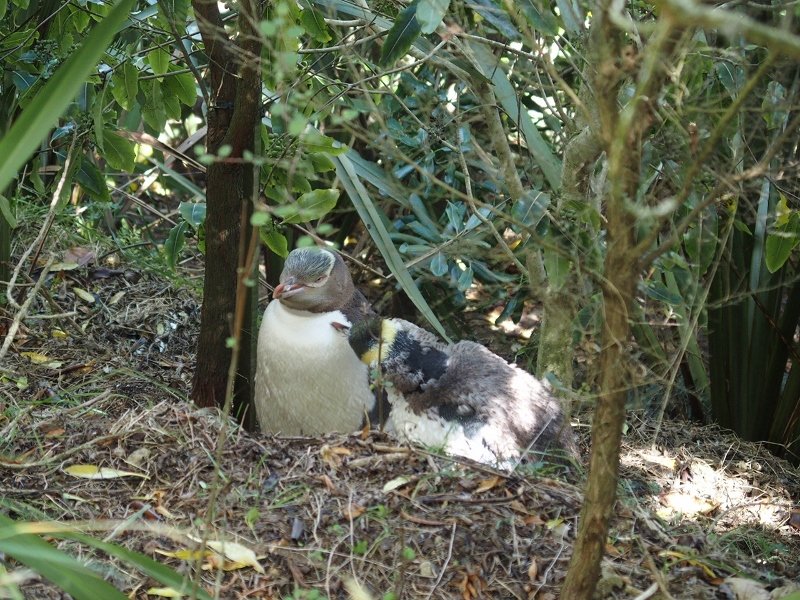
x=233, y=119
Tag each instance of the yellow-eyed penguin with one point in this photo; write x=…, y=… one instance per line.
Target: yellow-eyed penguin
x=308, y=381
x=460, y=397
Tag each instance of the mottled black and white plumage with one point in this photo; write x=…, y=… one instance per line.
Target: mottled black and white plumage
x=460, y=397
x=308, y=381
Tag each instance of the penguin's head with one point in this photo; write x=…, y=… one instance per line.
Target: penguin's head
x=372, y=339
x=314, y=279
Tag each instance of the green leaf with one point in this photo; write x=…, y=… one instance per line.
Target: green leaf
x=780, y=243
x=3, y=8
x=92, y=180
x=5, y=212
x=438, y=265
x=158, y=60
x=68, y=574
x=183, y=86
x=125, y=85
x=50, y=102
x=314, y=141
x=557, y=267
x=401, y=36
x=175, y=242
x=119, y=152
x=153, y=112
x=430, y=13
x=321, y=162
x=465, y=280
x=309, y=206
x=372, y=218
x=193, y=213
x=314, y=23
x=276, y=242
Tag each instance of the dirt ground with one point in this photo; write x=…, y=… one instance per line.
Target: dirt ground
x=700, y=515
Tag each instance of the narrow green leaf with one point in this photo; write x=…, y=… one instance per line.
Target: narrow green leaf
x=487, y=63
x=401, y=36
x=174, y=243
x=6, y=213
x=119, y=152
x=380, y=235
x=58, y=567
x=430, y=13
x=92, y=180
x=50, y=102
x=145, y=564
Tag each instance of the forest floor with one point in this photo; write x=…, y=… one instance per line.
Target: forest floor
x=700, y=515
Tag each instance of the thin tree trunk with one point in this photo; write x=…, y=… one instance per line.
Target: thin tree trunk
x=233, y=119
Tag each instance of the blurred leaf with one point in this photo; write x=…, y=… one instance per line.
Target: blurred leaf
x=92, y=180
x=540, y=16
x=193, y=213
x=401, y=36
x=321, y=162
x=43, y=112
x=314, y=23
x=430, y=13
x=119, y=152
x=658, y=291
x=6, y=212
x=68, y=574
x=174, y=243
x=439, y=265
x=309, y=206
x=530, y=209
x=314, y=141
x=557, y=267
x=465, y=280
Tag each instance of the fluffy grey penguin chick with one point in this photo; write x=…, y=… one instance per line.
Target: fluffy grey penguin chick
x=461, y=397
x=308, y=381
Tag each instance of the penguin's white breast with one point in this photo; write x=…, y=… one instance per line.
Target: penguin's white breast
x=309, y=380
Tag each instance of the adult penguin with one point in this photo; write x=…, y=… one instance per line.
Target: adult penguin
x=308, y=381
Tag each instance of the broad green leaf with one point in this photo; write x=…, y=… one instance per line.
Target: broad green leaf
x=125, y=84
x=314, y=141
x=438, y=265
x=68, y=574
x=430, y=13
x=193, y=213
x=557, y=267
x=57, y=94
x=309, y=206
x=321, y=162
x=183, y=86
x=259, y=218
x=158, y=60
x=6, y=213
x=174, y=243
x=119, y=152
x=92, y=180
x=465, y=280
x=153, y=111
x=780, y=243
x=3, y=8
x=276, y=242
x=401, y=36
x=314, y=23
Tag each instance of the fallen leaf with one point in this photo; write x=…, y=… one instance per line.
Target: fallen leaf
x=184, y=554
x=353, y=511
x=63, y=266
x=487, y=484
x=79, y=255
x=744, y=589
x=794, y=519
x=95, y=472
x=395, y=483
x=164, y=592
x=116, y=298
x=58, y=334
x=333, y=454
x=84, y=295
x=53, y=433
x=533, y=570
x=36, y=358
x=238, y=555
